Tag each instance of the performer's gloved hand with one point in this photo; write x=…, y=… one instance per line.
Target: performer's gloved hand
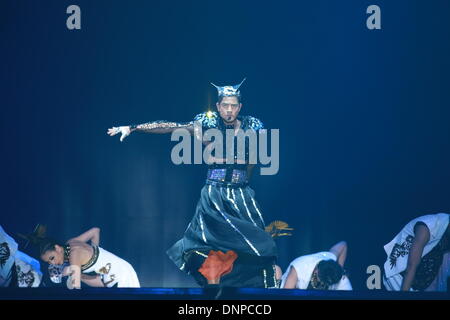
x=124, y=130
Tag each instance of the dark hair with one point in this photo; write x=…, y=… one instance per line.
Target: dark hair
x=220, y=98
x=39, y=240
x=47, y=244
x=329, y=272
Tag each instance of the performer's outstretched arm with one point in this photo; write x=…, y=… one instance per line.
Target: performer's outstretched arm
x=74, y=270
x=422, y=236
x=160, y=126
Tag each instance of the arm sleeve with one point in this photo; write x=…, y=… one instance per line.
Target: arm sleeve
x=161, y=126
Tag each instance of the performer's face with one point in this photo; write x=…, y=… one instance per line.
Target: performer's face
x=229, y=109
x=55, y=257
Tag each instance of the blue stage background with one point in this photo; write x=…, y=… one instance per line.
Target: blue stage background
x=363, y=118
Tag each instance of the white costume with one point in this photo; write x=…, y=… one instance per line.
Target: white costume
x=398, y=251
x=112, y=269
x=13, y=261
x=305, y=265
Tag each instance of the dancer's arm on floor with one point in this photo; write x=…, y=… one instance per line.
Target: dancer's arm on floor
x=291, y=280
x=92, y=235
x=340, y=251
x=92, y=281
x=160, y=126
x=422, y=236
x=74, y=270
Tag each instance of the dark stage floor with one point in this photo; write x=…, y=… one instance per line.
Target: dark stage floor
x=209, y=294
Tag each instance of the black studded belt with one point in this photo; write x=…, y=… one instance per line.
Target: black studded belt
x=227, y=176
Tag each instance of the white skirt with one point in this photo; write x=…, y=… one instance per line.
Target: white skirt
x=112, y=269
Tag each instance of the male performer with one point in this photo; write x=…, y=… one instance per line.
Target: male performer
x=225, y=243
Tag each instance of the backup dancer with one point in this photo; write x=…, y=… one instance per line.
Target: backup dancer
x=87, y=262
x=319, y=271
x=225, y=242
x=16, y=268
x=418, y=258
